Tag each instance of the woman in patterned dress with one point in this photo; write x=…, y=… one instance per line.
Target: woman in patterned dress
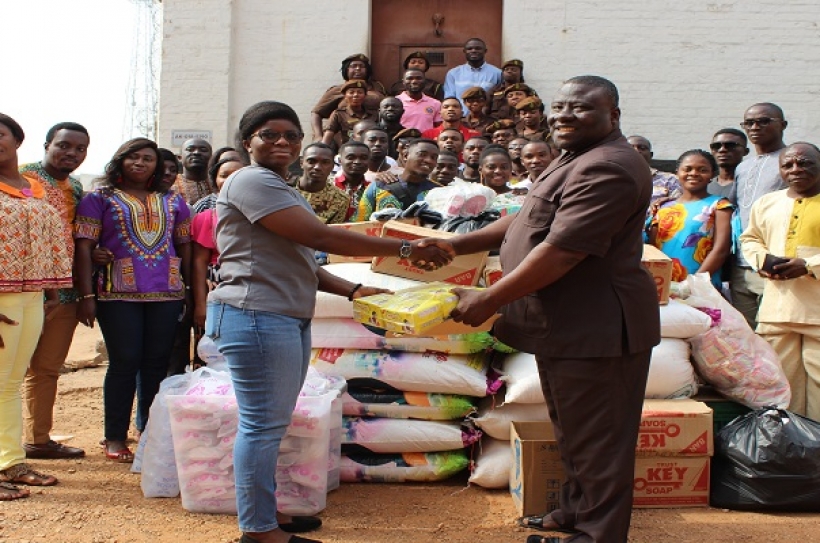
x=33, y=259
x=138, y=297
x=694, y=230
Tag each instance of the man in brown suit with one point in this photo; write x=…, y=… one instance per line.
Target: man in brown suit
x=574, y=294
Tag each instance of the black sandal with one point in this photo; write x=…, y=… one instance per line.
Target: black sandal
x=301, y=524
x=536, y=522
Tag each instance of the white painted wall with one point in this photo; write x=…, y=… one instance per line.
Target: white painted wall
x=684, y=69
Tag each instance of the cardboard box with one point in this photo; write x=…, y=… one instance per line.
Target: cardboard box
x=671, y=467
x=671, y=481
x=536, y=473
x=660, y=266
x=368, y=228
x=492, y=271
x=675, y=427
x=464, y=270
x=411, y=311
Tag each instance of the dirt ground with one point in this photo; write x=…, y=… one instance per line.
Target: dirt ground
x=98, y=501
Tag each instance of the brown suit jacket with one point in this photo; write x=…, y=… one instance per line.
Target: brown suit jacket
x=593, y=202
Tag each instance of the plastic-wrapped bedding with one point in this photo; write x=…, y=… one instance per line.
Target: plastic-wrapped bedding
x=401, y=436
x=345, y=333
x=464, y=374
x=406, y=405
x=401, y=468
x=204, y=422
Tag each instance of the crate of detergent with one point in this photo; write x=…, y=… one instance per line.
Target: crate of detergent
x=412, y=311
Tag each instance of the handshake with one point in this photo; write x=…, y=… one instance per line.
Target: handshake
x=431, y=253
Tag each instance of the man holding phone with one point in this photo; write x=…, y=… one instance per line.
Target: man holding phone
x=783, y=242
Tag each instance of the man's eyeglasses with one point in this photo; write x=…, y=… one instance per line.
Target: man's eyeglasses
x=269, y=136
x=728, y=145
x=762, y=122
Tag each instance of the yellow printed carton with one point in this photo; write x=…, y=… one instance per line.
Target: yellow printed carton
x=411, y=311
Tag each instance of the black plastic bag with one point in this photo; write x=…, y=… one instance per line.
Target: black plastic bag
x=767, y=460
x=464, y=225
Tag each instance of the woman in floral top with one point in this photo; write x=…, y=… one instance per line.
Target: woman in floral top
x=139, y=296
x=33, y=259
x=694, y=230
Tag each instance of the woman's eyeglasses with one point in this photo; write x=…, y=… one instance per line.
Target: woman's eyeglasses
x=269, y=136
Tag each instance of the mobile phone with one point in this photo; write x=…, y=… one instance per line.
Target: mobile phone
x=771, y=261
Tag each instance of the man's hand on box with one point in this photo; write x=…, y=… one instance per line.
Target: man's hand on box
x=474, y=306
x=431, y=254
x=363, y=291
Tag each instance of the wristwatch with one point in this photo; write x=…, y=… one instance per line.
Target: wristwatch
x=406, y=249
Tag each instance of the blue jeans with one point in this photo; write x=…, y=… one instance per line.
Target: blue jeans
x=268, y=355
x=139, y=337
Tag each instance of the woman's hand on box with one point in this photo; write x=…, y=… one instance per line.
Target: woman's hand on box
x=364, y=290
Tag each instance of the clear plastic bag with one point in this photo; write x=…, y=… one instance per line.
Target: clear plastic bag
x=731, y=357
x=460, y=199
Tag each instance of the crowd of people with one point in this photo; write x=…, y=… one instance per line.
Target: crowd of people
x=224, y=242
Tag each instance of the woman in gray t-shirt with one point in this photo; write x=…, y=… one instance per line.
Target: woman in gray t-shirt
x=259, y=315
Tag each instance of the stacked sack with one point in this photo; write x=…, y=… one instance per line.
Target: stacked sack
x=671, y=376
x=188, y=445
x=407, y=397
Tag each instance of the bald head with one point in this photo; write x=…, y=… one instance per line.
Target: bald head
x=196, y=153
x=360, y=128
x=800, y=168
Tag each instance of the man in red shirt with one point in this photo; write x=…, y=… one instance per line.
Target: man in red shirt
x=451, y=116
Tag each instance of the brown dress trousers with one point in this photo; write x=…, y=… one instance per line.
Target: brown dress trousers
x=593, y=330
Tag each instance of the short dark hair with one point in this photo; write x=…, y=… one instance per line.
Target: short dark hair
x=705, y=154
x=13, y=126
x=494, y=149
x=352, y=143
x=167, y=154
x=450, y=98
x=216, y=156
x=598, y=82
x=482, y=138
x=445, y=152
x=732, y=132
x=769, y=105
x=408, y=70
x=213, y=171
x=113, y=170
x=318, y=145
x=476, y=39
x=451, y=130
x=262, y=112
x=76, y=127
x=419, y=141
x=377, y=128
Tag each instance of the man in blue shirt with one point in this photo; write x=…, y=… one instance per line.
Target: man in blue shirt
x=474, y=73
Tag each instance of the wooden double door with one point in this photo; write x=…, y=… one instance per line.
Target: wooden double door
x=438, y=27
